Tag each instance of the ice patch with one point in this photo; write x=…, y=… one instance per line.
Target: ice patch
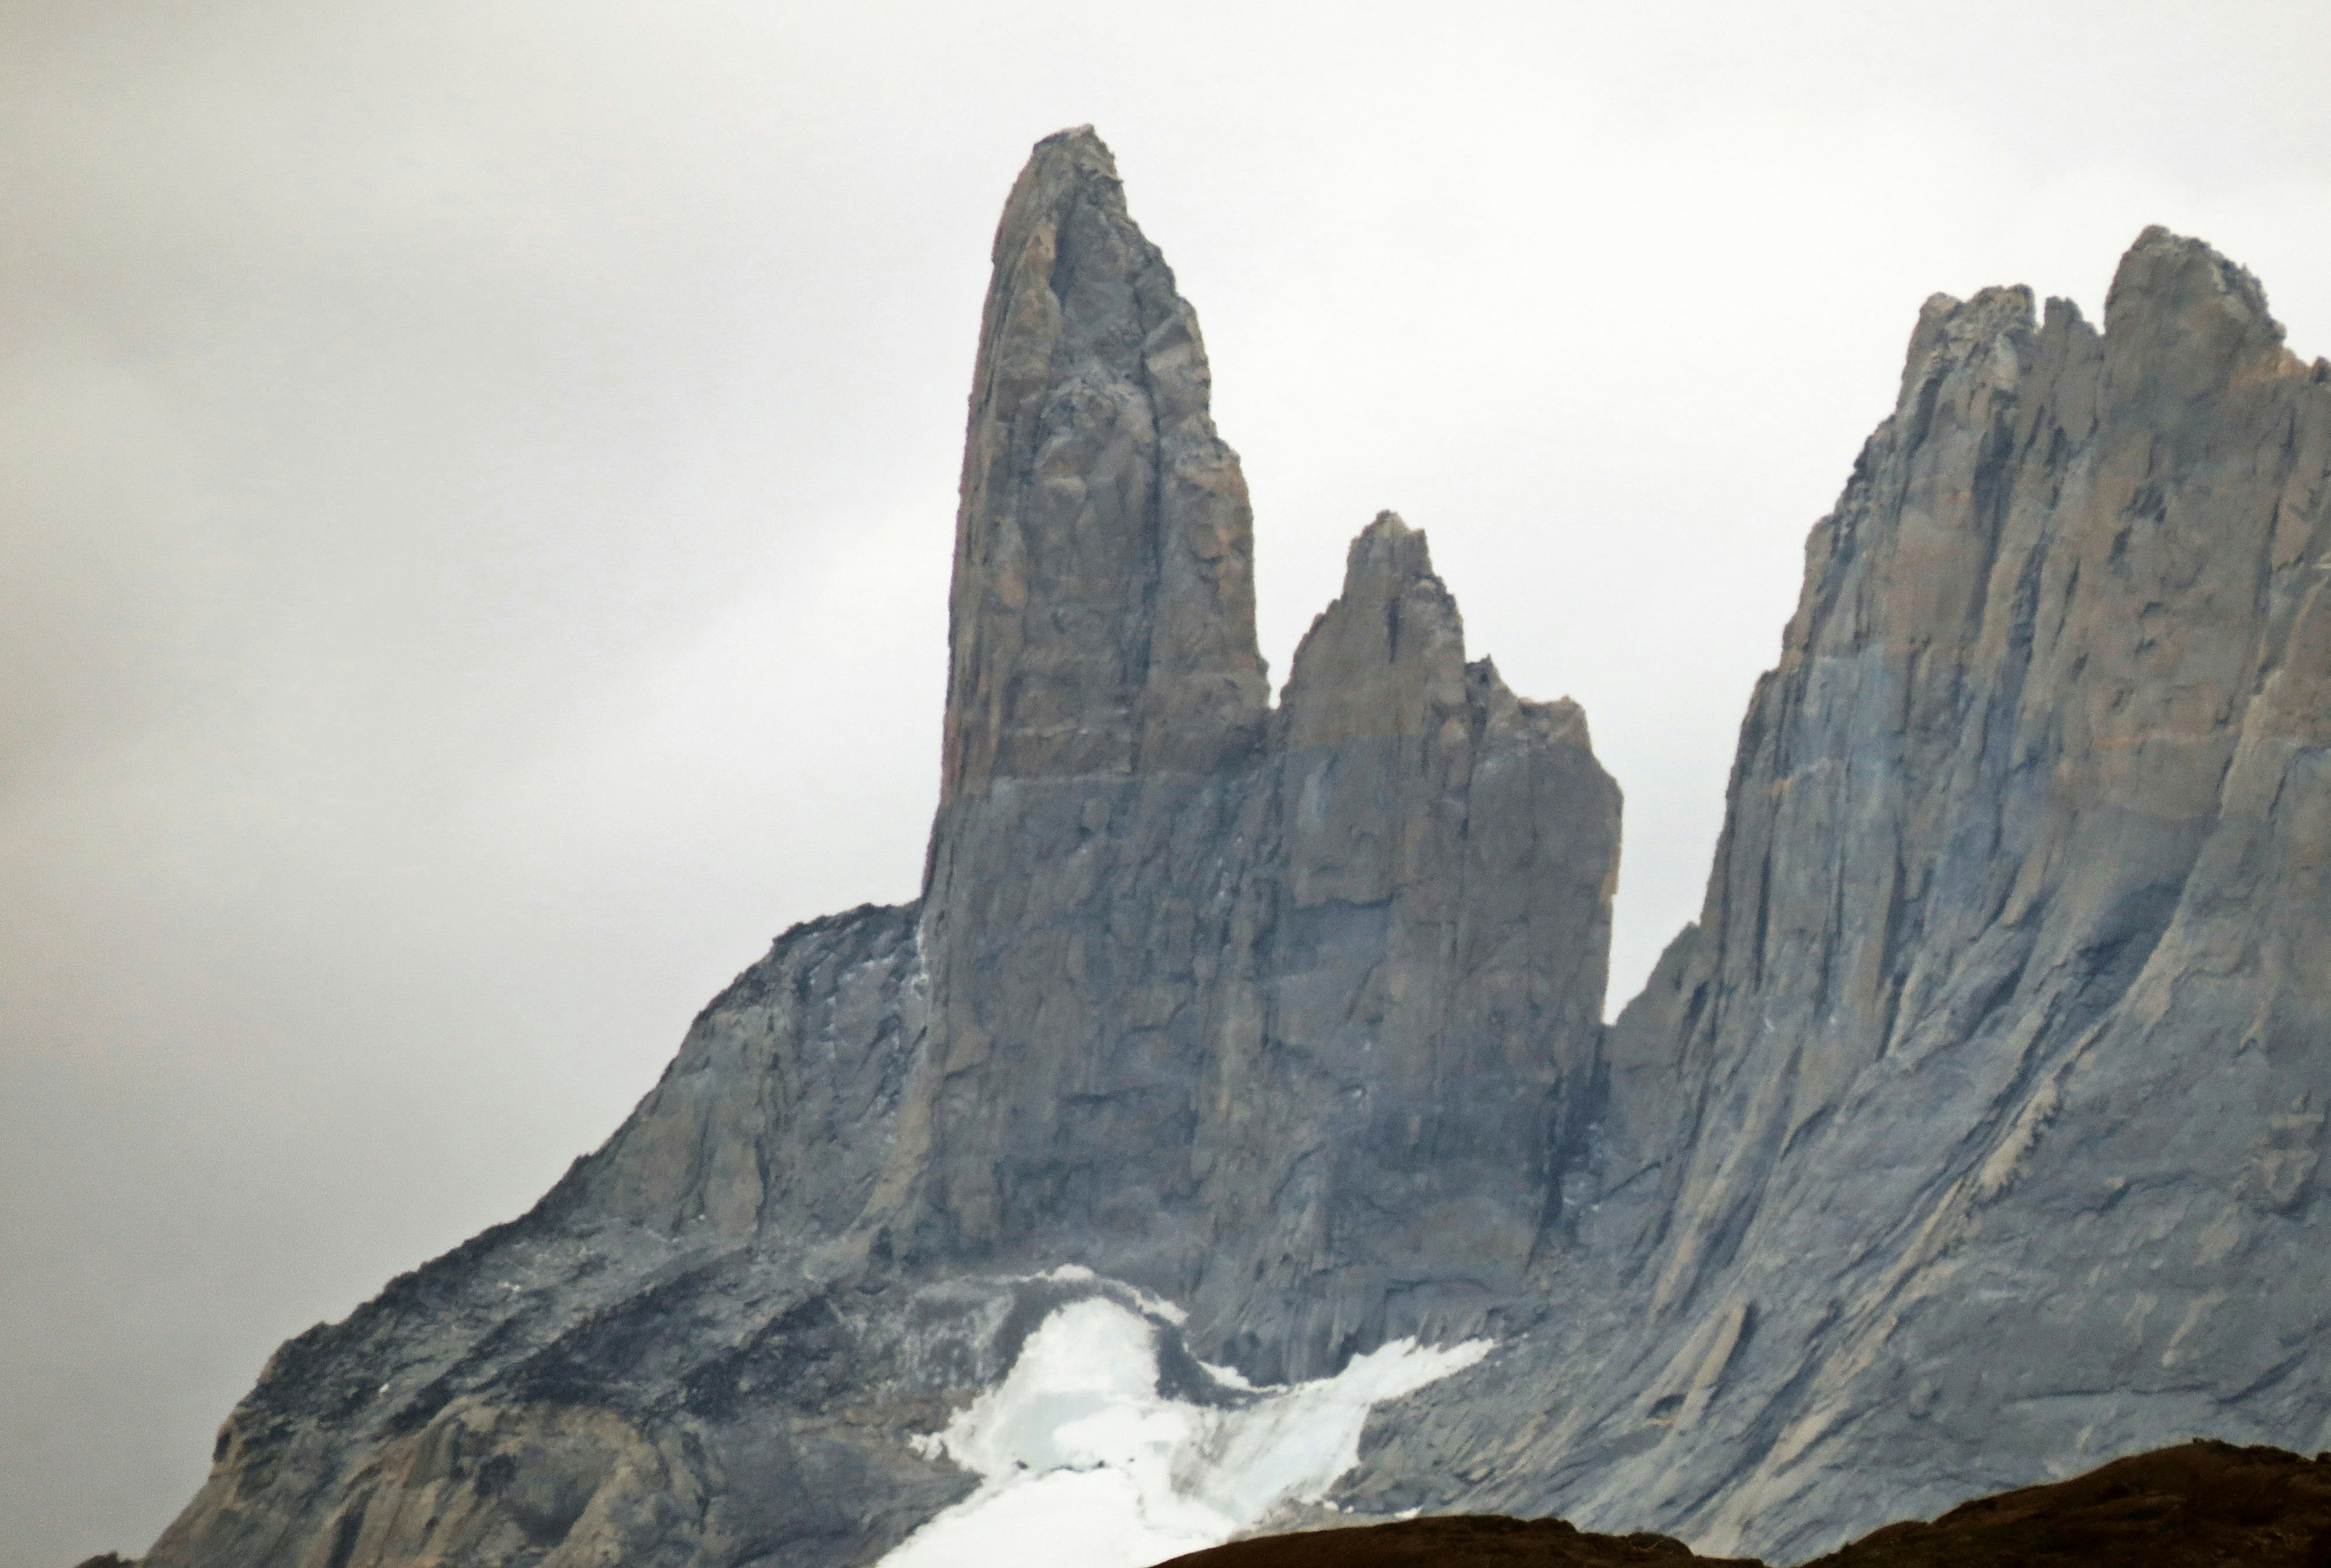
x=1082, y=1461
x=1078, y=1274
x=1228, y=1376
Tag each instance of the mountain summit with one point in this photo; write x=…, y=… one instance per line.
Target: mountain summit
x=1229, y=1132
x=1274, y=1030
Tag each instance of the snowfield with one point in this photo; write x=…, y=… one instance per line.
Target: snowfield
x=1082, y=1460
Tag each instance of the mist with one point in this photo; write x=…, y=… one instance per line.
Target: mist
x=477, y=490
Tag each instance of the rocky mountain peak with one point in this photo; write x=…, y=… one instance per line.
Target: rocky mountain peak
x=1961, y=1028
x=1388, y=545
x=2166, y=275
x=2182, y=321
x=1102, y=615
x=1387, y=652
x=1976, y=1129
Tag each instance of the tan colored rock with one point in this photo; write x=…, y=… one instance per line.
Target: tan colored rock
x=1102, y=619
x=1449, y=854
x=1990, y=1077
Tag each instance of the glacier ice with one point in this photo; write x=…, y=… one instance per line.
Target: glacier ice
x=1083, y=1461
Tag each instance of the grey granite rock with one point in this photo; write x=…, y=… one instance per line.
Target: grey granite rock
x=1973, y=1134
x=1287, y=1017
x=1999, y=1039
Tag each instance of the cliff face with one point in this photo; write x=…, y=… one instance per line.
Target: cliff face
x=1999, y=1039
x=1276, y=1028
x=1970, y=1136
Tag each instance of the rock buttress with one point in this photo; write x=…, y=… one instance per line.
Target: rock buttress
x=1286, y=1018
x=1102, y=614
x=1133, y=955
x=1982, y=1105
x=1432, y=930
x=1105, y=704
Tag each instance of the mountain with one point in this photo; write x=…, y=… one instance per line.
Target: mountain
x=2001, y=1041
x=1229, y=1134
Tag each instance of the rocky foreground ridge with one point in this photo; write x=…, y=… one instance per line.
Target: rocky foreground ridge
x=1970, y=1137
x=2199, y=1505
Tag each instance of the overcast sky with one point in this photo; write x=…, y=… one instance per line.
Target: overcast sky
x=477, y=482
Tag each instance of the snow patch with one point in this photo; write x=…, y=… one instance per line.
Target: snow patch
x=1078, y=1274
x=1227, y=1377
x=1081, y=1460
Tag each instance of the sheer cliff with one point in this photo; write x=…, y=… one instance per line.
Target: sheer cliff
x=1276, y=1027
x=1970, y=1136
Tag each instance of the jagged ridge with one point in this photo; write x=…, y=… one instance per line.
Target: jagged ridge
x=1972, y=1129
x=1285, y=1015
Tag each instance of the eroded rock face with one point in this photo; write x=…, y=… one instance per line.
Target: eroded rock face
x=2000, y=1040
x=1102, y=616
x=1277, y=1028
x=1973, y=1134
x=1435, y=932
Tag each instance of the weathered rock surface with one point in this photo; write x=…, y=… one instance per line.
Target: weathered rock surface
x=1287, y=1017
x=1972, y=1136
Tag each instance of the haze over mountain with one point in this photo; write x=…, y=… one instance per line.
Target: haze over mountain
x=1241, y=1066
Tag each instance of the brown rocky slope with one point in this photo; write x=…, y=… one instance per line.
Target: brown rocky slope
x=2202, y=1504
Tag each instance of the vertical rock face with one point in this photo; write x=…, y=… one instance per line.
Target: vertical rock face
x=1999, y=1041
x=1973, y=1133
x=1436, y=931
x=1277, y=1028
x=1222, y=998
x=1104, y=704
x=1103, y=608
